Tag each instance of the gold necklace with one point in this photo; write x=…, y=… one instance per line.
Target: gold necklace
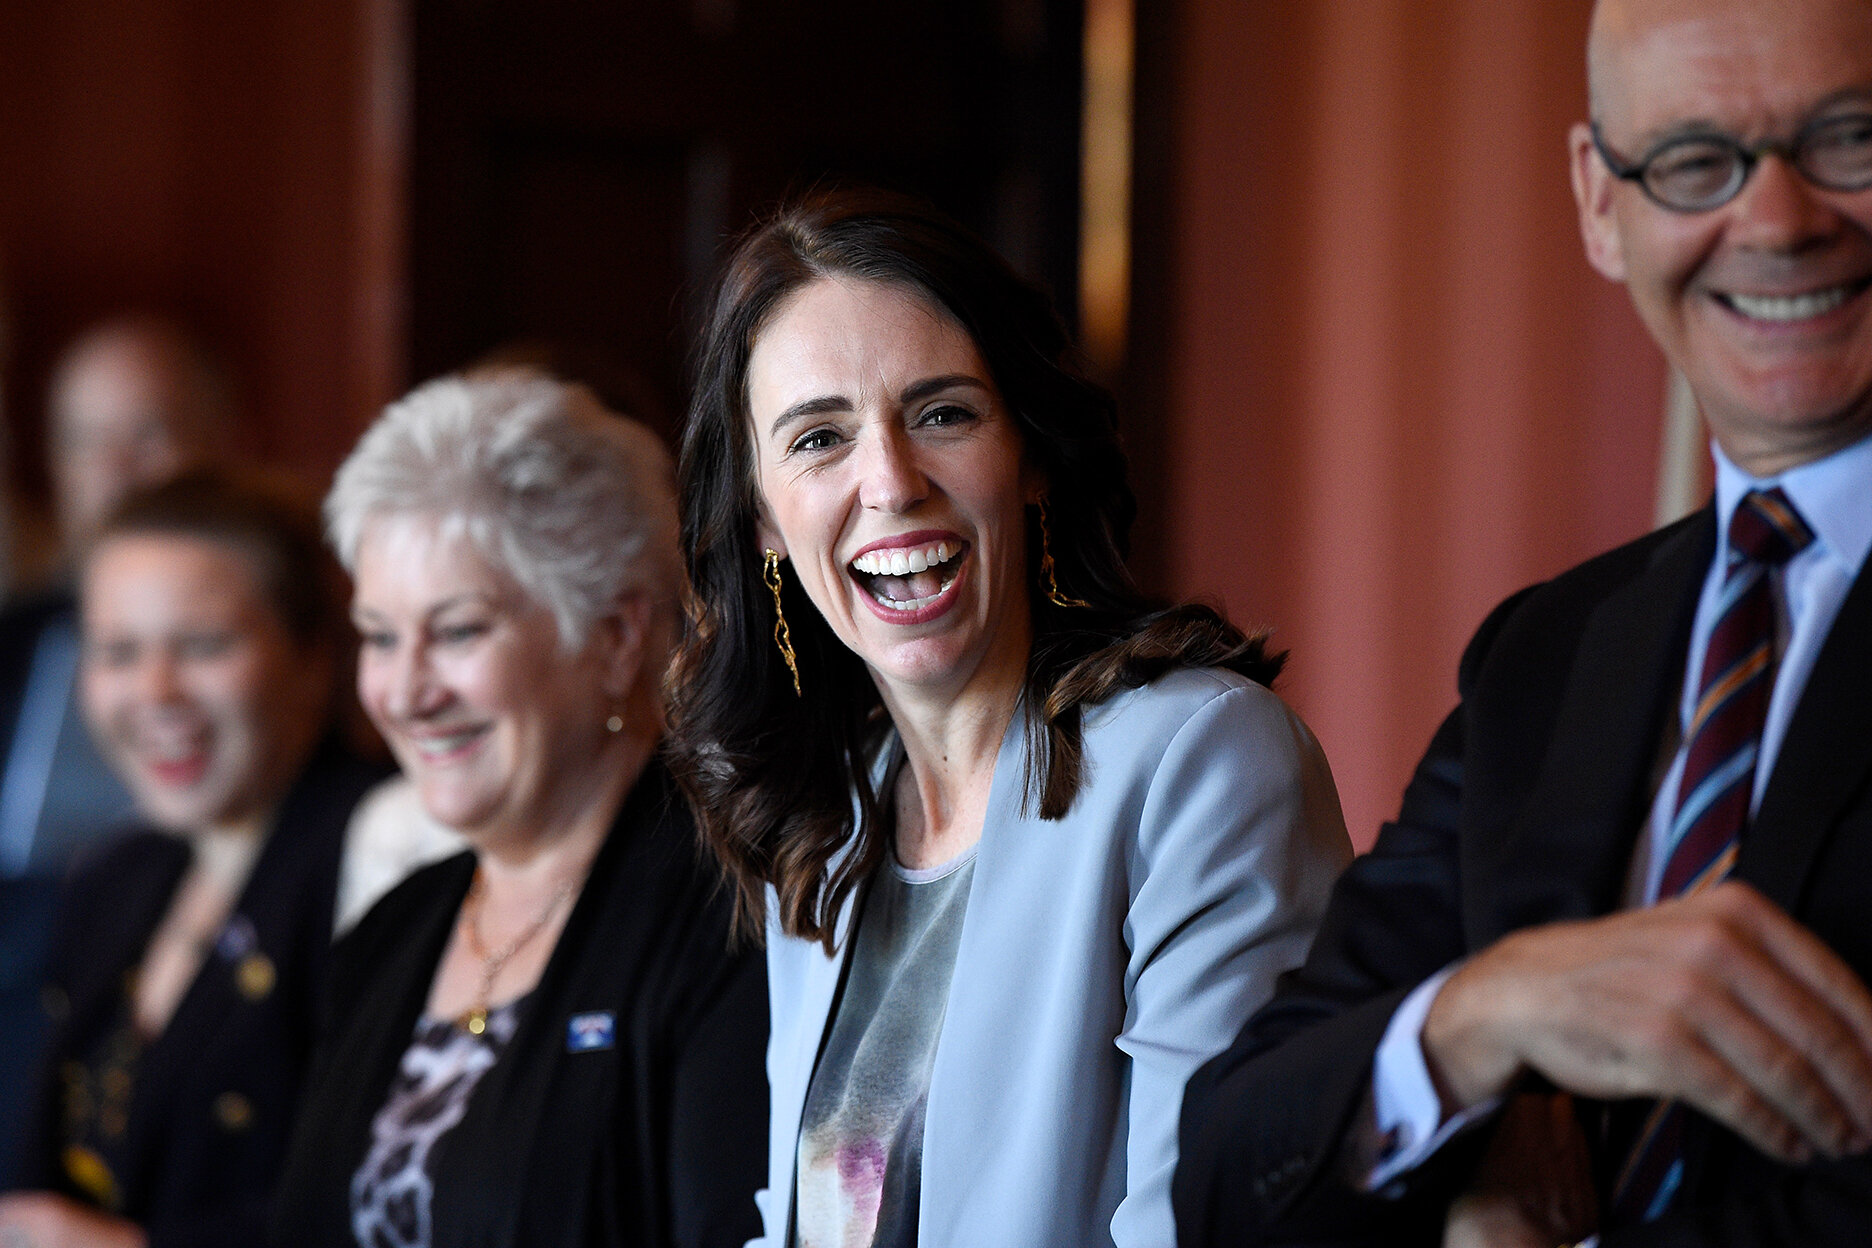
x=475, y=1020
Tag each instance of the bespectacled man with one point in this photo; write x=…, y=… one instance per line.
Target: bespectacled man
x=1604, y=976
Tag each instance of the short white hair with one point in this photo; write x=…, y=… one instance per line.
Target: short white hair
x=575, y=502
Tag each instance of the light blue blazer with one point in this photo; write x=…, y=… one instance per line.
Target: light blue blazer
x=1103, y=958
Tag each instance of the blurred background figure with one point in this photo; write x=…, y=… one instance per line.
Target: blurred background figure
x=131, y=402
x=546, y=1040
x=186, y=955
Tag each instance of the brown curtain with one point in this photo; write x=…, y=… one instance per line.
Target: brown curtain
x=1394, y=391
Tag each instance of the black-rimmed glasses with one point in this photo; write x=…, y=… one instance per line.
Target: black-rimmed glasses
x=1698, y=172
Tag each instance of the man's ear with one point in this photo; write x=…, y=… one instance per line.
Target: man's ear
x=1593, y=185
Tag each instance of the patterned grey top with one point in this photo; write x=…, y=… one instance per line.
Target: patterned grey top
x=391, y=1193
x=861, y=1138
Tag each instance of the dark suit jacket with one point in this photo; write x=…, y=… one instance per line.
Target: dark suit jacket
x=1527, y=810
x=215, y=1093
x=658, y=1140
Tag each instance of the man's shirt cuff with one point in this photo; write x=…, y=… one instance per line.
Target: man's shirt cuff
x=1408, y=1122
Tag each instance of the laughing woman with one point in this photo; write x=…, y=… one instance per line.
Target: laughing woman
x=545, y=1040
x=1026, y=847
x=188, y=955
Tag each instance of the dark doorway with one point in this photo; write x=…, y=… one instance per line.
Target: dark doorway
x=577, y=164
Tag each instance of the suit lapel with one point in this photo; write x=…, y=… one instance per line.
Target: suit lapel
x=242, y=973
x=1822, y=761
x=1567, y=855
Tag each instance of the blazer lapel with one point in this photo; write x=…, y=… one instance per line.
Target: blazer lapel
x=1568, y=853
x=800, y=973
x=242, y=968
x=1002, y=927
x=1822, y=761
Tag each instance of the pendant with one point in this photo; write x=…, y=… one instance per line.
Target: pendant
x=475, y=1022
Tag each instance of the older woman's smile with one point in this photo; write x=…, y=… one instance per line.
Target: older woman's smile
x=468, y=680
x=443, y=746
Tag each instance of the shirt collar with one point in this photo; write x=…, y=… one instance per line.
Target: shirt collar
x=1831, y=495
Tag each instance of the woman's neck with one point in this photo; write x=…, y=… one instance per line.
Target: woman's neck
x=539, y=859
x=941, y=795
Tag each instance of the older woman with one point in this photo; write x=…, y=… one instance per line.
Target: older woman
x=188, y=955
x=1028, y=847
x=544, y=1040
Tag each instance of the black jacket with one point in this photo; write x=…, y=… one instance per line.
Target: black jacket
x=215, y=1094
x=658, y=1140
x=1526, y=810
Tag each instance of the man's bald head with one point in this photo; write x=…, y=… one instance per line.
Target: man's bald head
x=1621, y=29
x=132, y=402
x=1762, y=298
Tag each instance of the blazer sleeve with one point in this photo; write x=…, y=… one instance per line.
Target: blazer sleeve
x=1265, y=1122
x=1239, y=839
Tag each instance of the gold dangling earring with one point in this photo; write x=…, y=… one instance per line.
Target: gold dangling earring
x=1048, y=581
x=783, y=637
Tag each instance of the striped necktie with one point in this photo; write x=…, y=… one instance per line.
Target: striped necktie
x=1718, y=785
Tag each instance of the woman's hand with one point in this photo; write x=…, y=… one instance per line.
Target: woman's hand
x=1534, y=1187
x=48, y=1220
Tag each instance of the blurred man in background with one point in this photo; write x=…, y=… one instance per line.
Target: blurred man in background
x=132, y=402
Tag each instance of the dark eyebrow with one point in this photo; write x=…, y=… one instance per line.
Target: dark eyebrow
x=839, y=403
x=936, y=385
x=809, y=407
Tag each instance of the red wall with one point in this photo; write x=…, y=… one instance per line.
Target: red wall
x=1396, y=390
x=217, y=158
x=1389, y=390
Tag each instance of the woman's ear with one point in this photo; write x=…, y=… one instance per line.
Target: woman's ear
x=1034, y=484
x=769, y=537
x=622, y=638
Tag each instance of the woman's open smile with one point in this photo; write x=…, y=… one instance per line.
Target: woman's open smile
x=894, y=481
x=908, y=580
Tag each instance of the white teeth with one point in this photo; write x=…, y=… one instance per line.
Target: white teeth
x=437, y=746
x=914, y=604
x=1789, y=307
x=904, y=562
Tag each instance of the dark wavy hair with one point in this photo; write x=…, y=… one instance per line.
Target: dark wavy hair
x=781, y=783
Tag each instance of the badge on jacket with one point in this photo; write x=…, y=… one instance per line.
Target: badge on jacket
x=588, y=1033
